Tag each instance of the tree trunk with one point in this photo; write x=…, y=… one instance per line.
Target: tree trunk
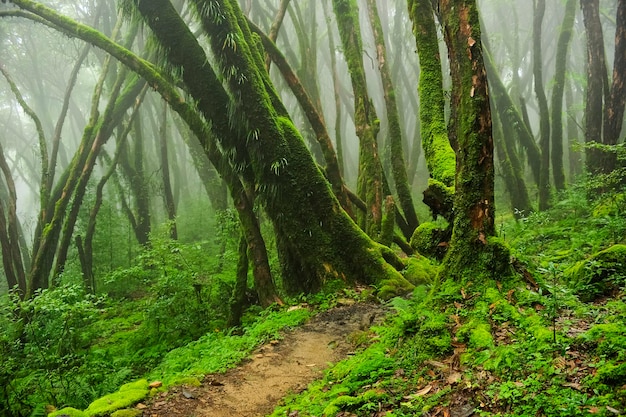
x=168, y=196
x=544, y=112
x=276, y=24
x=557, y=94
x=370, y=183
x=238, y=300
x=511, y=116
x=597, y=83
x=322, y=240
x=9, y=233
x=472, y=251
x=314, y=116
x=440, y=157
x=616, y=99
x=395, y=139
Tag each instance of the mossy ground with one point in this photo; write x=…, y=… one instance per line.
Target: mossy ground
x=522, y=347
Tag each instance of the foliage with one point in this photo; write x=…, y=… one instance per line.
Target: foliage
x=511, y=348
x=217, y=351
x=601, y=274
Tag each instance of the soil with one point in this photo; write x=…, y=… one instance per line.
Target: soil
x=273, y=370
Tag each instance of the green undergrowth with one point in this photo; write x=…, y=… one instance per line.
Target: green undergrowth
x=218, y=351
x=550, y=341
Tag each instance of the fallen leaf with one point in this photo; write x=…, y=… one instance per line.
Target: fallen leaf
x=613, y=410
x=423, y=391
x=574, y=385
x=141, y=406
x=454, y=377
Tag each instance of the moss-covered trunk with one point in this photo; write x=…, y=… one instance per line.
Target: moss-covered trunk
x=318, y=241
x=440, y=157
x=471, y=252
x=320, y=236
x=168, y=195
x=565, y=35
x=395, y=139
x=512, y=116
x=370, y=181
x=616, y=99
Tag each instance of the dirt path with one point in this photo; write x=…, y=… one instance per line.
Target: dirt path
x=273, y=370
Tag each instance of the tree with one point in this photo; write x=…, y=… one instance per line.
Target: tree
x=370, y=181
x=472, y=248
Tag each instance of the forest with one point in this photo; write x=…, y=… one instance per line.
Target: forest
x=312, y=208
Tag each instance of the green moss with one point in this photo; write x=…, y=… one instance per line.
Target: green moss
x=612, y=374
x=141, y=384
x=127, y=395
x=477, y=333
x=191, y=381
x=347, y=402
x=127, y=413
x=68, y=411
x=430, y=240
x=420, y=270
x=394, y=286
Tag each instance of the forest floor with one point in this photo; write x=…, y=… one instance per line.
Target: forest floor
x=274, y=370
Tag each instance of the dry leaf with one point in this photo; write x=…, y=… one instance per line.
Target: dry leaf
x=574, y=385
x=423, y=391
x=454, y=377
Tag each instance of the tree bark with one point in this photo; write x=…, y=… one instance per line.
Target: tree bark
x=168, y=196
x=370, y=183
x=597, y=83
x=616, y=99
x=472, y=250
x=439, y=154
x=544, y=112
x=557, y=94
x=395, y=136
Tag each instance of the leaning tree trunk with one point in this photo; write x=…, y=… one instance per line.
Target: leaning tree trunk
x=472, y=252
x=14, y=270
x=512, y=116
x=323, y=240
x=314, y=116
